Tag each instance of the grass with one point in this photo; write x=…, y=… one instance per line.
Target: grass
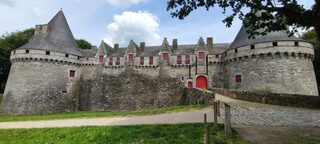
x=151, y=134
x=92, y=114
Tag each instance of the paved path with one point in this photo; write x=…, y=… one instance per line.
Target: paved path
x=243, y=113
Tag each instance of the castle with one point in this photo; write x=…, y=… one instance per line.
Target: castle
x=47, y=70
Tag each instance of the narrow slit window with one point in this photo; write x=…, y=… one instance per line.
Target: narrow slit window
x=238, y=79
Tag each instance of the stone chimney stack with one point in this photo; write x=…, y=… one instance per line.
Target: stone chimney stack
x=116, y=48
x=210, y=43
x=174, y=45
x=142, y=46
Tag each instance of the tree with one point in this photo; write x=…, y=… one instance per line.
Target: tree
x=9, y=42
x=274, y=14
x=311, y=36
x=83, y=44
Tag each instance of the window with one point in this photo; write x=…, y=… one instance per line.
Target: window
x=78, y=57
x=187, y=59
x=27, y=51
x=201, y=55
x=110, y=61
x=118, y=61
x=275, y=44
x=14, y=52
x=72, y=73
x=179, y=60
x=252, y=46
x=236, y=51
x=67, y=55
x=130, y=57
x=165, y=56
x=141, y=60
x=217, y=56
x=101, y=59
x=150, y=60
x=296, y=43
x=47, y=52
x=238, y=79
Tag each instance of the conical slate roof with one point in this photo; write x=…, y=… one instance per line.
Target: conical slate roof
x=58, y=38
x=242, y=38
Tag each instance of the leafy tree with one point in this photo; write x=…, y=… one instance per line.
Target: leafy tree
x=83, y=44
x=9, y=42
x=311, y=36
x=274, y=14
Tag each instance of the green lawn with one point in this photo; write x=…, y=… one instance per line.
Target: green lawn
x=151, y=134
x=89, y=114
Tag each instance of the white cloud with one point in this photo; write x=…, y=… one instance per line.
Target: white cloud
x=125, y=3
x=139, y=26
x=7, y=2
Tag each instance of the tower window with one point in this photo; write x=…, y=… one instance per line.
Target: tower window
x=72, y=73
x=275, y=43
x=47, y=52
x=252, y=47
x=27, y=51
x=238, y=79
x=150, y=60
x=67, y=55
x=101, y=59
x=296, y=43
x=179, y=60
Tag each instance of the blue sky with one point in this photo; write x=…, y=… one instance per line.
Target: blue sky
x=118, y=21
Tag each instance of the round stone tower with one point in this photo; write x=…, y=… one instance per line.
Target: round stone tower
x=44, y=71
x=275, y=63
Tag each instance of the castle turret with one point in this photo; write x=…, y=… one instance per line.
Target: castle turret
x=274, y=62
x=44, y=71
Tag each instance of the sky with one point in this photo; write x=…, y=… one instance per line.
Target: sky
x=119, y=21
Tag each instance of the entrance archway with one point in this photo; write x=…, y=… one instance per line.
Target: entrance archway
x=202, y=82
x=190, y=84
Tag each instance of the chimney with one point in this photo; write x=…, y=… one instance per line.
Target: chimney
x=142, y=46
x=116, y=48
x=174, y=45
x=41, y=29
x=210, y=43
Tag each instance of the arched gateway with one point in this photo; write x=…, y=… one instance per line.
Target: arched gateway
x=202, y=82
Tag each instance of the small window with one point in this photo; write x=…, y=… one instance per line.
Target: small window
x=47, y=52
x=179, y=59
x=110, y=61
x=150, y=60
x=118, y=61
x=217, y=56
x=165, y=56
x=252, y=47
x=78, y=57
x=201, y=55
x=72, y=73
x=67, y=55
x=182, y=78
x=187, y=59
x=141, y=60
x=190, y=84
x=27, y=51
x=238, y=79
x=87, y=58
x=296, y=43
x=275, y=43
x=236, y=51
x=101, y=59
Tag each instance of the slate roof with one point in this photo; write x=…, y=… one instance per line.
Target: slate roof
x=59, y=37
x=242, y=38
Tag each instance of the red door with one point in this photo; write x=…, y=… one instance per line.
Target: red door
x=190, y=84
x=202, y=82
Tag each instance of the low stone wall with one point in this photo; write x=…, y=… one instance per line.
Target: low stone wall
x=272, y=98
x=196, y=97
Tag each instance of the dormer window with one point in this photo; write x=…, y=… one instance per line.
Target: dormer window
x=150, y=60
x=201, y=55
x=165, y=56
x=187, y=59
x=130, y=58
x=110, y=61
x=179, y=59
x=101, y=59
x=118, y=61
x=141, y=60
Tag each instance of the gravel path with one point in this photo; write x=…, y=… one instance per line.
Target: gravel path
x=243, y=113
